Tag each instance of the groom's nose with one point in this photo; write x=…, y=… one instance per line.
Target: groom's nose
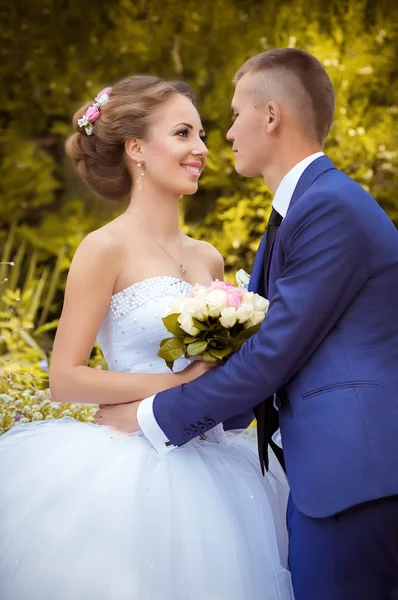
x=230, y=135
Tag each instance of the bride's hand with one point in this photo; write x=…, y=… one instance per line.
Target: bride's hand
x=196, y=369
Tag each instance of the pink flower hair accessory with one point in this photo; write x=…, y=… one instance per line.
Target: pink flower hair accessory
x=93, y=112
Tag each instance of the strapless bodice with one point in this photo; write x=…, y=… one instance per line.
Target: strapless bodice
x=132, y=329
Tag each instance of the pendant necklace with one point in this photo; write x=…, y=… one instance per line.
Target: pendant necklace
x=182, y=268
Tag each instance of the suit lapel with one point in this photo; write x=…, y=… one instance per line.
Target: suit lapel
x=267, y=265
x=313, y=171
x=256, y=283
x=260, y=272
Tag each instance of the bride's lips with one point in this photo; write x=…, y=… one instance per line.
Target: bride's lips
x=193, y=168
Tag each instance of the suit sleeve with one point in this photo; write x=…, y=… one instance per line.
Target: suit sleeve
x=326, y=255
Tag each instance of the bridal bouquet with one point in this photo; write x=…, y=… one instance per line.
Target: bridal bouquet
x=211, y=322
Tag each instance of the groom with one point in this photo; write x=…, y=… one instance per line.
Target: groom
x=327, y=353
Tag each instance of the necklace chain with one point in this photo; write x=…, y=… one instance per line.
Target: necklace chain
x=182, y=268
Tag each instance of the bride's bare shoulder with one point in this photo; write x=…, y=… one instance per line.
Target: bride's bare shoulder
x=209, y=255
x=99, y=253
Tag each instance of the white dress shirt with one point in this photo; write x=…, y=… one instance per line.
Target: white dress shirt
x=281, y=202
x=285, y=191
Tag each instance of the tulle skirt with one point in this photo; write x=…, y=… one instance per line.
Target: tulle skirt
x=89, y=513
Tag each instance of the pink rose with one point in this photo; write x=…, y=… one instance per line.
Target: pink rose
x=234, y=294
x=92, y=113
x=235, y=297
x=220, y=285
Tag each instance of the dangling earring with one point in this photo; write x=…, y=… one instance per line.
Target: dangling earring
x=141, y=176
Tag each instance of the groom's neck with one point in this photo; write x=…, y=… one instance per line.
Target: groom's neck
x=284, y=159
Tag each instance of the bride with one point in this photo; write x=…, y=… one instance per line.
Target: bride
x=91, y=513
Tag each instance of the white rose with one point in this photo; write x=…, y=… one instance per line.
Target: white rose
x=244, y=312
x=186, y=323
x=256, y=318
x=199, y=291
x=228, y=317
x=177, y=305
x=196, y=307
x=216, y=301
x=260, y=303
x=248, y=297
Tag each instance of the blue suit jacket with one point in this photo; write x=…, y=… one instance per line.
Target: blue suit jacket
x=328, y=347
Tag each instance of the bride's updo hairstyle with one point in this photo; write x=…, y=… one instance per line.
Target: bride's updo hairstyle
x=97, y=150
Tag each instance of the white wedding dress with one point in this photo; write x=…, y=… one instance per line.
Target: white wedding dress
x=89, y=513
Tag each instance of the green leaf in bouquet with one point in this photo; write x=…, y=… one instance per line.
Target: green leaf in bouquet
x=188, y=339
x=216, y=327
x=171, y=323
x=224, y=333
x=218, y=342
x=216, y=330
x=246, y=334
x=196, y=348
x=162, y=343
x=207, y=357
x=220, y=353
x=171, y=350
x=200, y=325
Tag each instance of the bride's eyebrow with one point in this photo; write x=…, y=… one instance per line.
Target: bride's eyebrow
x=185, y=125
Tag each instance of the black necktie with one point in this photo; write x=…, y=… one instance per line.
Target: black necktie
x=275, y=220
x=265, y=413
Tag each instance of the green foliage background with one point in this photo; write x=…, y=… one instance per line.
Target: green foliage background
x=56, y=54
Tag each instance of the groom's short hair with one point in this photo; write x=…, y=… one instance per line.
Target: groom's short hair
x=298, y=68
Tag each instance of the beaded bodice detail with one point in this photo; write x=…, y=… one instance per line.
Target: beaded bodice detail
x=132, y=329
x=145, y=291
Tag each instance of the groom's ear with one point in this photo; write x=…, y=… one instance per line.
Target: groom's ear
x=272, y=115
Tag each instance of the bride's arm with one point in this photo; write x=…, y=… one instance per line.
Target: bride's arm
x=89, y=288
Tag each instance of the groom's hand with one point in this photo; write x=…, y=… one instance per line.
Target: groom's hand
x=120, y=416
